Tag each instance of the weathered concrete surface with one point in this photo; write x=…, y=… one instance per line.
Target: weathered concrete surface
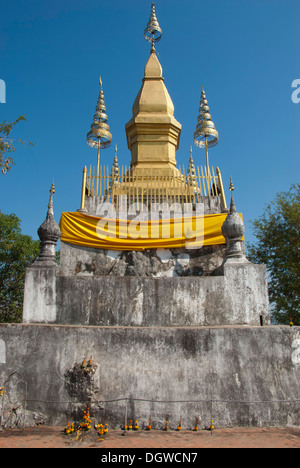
x=238, y=297
x=86, y=261
x=236, y=367
x=211, y=205
x=40, y=293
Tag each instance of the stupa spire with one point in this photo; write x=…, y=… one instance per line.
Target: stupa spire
x=233, y=230
x=232, y=203
x=49, y=233
x=99, y=135
x=191, y=176
x=115, y=167
x=153, y=133
x=206, y=134
x=153, y=32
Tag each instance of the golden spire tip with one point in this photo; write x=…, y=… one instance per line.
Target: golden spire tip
x=99, y=135
x=206, y=134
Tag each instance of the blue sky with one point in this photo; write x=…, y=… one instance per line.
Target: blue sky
x=244, y=52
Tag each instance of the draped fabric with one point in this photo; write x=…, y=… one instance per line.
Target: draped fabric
x=138, y=234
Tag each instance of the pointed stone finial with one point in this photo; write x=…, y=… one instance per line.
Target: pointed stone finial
x=50, y=204
x=233, y=230
x=232, y=203
x=153, y=32
x=49, y=233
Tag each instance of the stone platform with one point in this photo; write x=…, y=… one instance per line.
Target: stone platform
x=237, y=295
x=248, y=376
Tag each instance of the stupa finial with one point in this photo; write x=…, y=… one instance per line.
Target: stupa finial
x=206, y=134
x=49, y=233
x=99, y=135
x=115, y=167
x=153, y=31
x=232, y=203
x=233, y=230
x=191, y=175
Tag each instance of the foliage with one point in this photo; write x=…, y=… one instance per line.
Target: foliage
x=17, y=252
x=7, y=145
x=278, y=246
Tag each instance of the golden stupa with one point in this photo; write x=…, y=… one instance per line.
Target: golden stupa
x=153, y=136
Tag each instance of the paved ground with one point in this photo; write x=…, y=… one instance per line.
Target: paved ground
x=53, y=437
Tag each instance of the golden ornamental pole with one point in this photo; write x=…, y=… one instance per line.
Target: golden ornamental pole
x=98, y=167
x=82, y=205
x=207, y=163
x=221, y=189
x=206, y=134
x=99, y=135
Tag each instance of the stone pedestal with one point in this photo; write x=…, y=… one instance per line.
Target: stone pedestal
x=237, y=376
x=236, y=296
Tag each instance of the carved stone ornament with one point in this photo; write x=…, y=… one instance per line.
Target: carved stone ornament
x=233, y=230
x=49, y=233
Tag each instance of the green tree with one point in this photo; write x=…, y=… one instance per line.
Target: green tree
x=278, y=247
x=17, y=252
x=7, y=144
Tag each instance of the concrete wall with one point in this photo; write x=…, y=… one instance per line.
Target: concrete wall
x=236, y=364
x=238, y=297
